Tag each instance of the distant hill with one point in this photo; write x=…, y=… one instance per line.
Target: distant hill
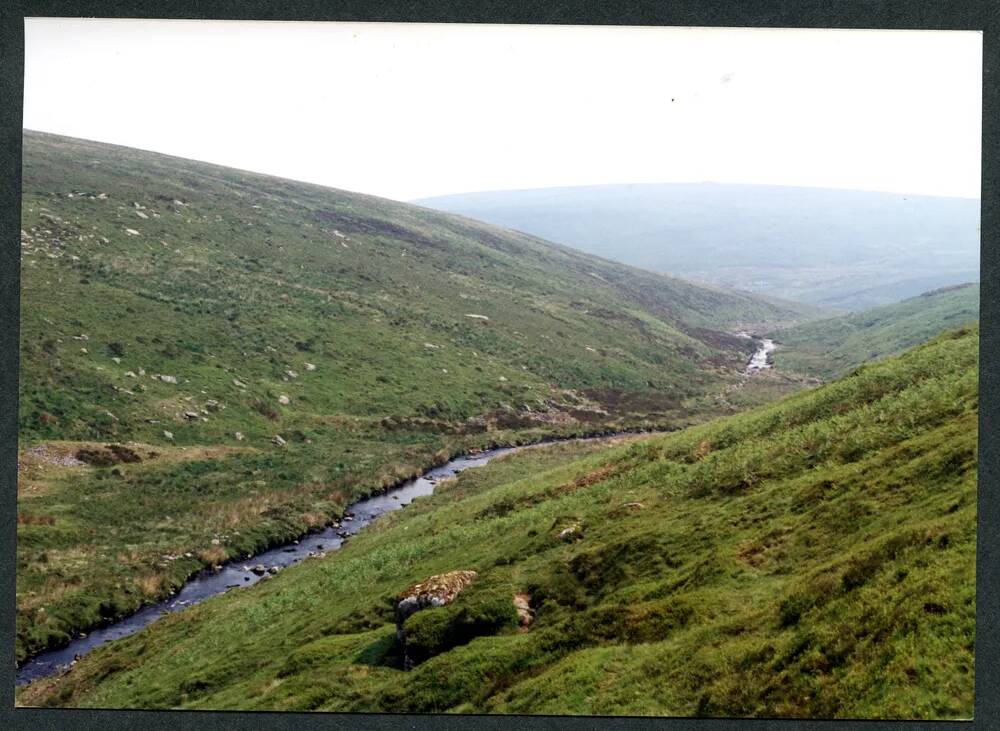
x=273, y=350
x=829, y=347
x=838, y=248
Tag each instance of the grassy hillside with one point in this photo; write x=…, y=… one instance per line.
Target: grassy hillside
x=829, y=347
x=269, y=350
x=846, y=249
x=814, y=557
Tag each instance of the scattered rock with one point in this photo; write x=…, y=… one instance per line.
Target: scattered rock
x=278, y=440
x=571, y=533
x=291, y=374
x=238, y=383
x=239, y=436
x=260, y=569
x=215, y=541
x=168, y=379
x=190, y=415
x=131, y=232
x=525, y=615
x=284, y=400
x=167, y=434
x=310, y=367
x=478, y=317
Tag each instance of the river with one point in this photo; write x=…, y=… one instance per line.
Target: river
x=240, y=574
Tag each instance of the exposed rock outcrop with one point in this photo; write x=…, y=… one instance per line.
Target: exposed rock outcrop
x=436, y=591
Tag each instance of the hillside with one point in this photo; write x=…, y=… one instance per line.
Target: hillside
x=829, y=347
x=839, y=248
x=206, y=352
x=813, y=557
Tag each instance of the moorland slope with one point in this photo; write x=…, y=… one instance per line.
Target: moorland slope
x=214, y=360
x=812, y=557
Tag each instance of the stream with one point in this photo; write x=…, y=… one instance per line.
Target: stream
x=239, y=574
x=759, y=360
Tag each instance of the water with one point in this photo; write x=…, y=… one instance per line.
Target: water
x=759, y=360
x=239, y=574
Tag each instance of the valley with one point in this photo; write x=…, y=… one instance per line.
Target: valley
x=783, y=561
x=226, y=376
x=237, y=358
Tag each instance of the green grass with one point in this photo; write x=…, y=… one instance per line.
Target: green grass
x=814, y=557
x=830, y=347
x=336, y=321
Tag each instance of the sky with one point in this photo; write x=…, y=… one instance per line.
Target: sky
x=407, y=111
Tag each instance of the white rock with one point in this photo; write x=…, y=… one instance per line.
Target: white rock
x=168, y=379
x=310, y=367
x=284, y=400
x=167, y=434
x=131, y=232
x=239, y=436
x=278, y=440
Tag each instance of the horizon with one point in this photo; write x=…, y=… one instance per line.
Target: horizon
x=417, y=201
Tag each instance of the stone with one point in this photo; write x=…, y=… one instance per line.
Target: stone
x=131, y=232
x=310, y=367
x=525, y=615
x=239, y=436
x=571, y=533
x=278, y=440
x=436, y=591
x=168, y=379
x=167, y=434
x=260, y=569
x=284, y=400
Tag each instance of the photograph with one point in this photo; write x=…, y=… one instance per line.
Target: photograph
x=498, y=369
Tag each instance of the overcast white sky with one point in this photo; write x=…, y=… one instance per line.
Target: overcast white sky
x=412, y=110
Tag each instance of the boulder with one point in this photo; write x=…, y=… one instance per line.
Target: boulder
x=436, y=591
x=525, y=615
